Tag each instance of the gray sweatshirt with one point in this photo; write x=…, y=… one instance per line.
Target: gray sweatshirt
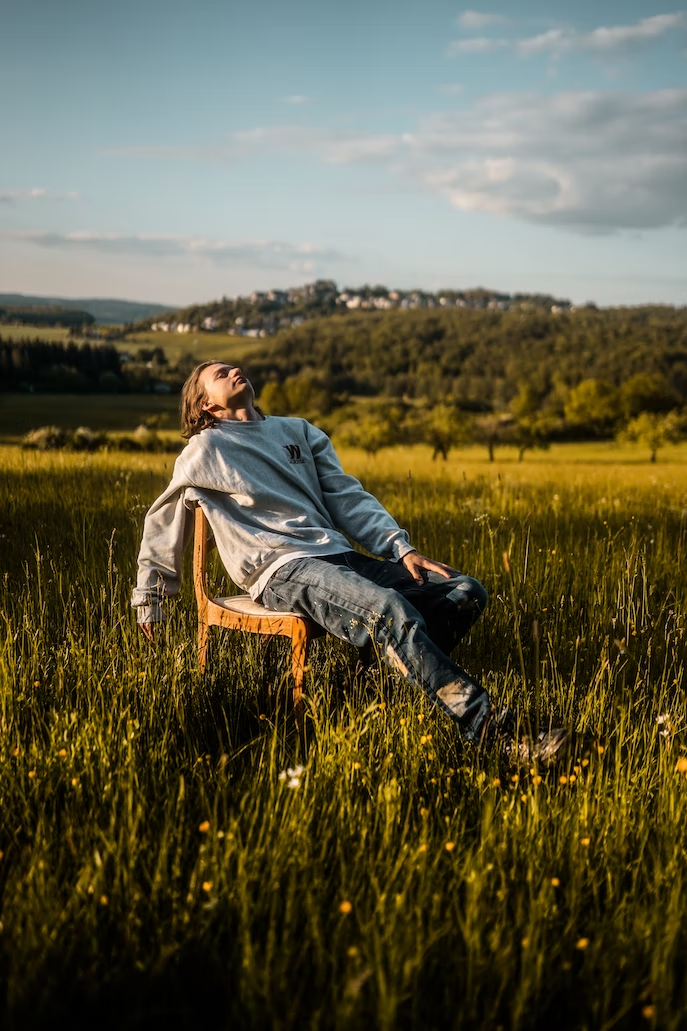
x=272, y=490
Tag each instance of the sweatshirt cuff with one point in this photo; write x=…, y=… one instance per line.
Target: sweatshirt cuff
x=402, y=548
x=150, y=613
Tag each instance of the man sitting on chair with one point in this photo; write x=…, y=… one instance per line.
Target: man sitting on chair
x=279, y=503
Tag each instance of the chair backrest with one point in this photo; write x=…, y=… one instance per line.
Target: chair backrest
x=200, y=555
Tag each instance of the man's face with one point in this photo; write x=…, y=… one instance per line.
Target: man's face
x=225, y=387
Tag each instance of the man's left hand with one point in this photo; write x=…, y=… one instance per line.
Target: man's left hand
x=415, y=563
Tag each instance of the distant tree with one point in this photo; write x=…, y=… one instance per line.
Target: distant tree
x=109, y=382
x=493, y=429
x=273, y=399
x=533, y=425
x=594, y=405
x=442, y=426
x=296, y=395
x=646, y=392
x=653, y=430
x=373, y=431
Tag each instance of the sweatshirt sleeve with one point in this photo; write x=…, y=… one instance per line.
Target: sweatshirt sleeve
x=166, y=531
x=354, y=511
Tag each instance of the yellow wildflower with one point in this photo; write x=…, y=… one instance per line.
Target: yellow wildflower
x=345, y=907
x=204, y=827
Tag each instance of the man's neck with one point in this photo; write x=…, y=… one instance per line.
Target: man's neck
x=246, y=414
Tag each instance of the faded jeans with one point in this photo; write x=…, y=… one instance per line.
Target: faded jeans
x=414, y=627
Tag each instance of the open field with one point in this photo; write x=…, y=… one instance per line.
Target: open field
x=156, y=871
x=201, y=345
x=53, y=334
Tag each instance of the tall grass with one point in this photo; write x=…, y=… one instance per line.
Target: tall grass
x=157, y=870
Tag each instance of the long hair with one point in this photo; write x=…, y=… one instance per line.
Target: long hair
x=193, y=417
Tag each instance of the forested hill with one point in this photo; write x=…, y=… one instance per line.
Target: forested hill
x=481, y=358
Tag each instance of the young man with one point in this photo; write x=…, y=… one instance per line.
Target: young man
x=279, y=504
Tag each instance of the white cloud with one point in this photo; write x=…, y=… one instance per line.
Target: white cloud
x=334, y=148
x=452, y=89
x=302, y=257
x=478, y=20
x=477, y=45
x=620, y=35
x=594, y=161
x=37, y=193
x=296, y=99
x=557, y=41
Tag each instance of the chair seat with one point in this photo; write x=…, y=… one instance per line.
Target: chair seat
x=245, y=606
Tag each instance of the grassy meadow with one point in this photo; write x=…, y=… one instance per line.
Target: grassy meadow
x=158, y=871
x=201, y=345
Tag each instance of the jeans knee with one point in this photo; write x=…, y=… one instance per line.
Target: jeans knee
x=479, y=595
x=470, y=594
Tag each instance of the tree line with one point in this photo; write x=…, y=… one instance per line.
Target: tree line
x=73, y=368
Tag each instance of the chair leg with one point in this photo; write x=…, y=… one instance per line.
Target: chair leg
x=202, y=644
x=299, y=658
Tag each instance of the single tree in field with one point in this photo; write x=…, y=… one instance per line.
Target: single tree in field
x=653, y=431
x=493, y=429
x=532, y=425
x=443, y=426
x=373, y=431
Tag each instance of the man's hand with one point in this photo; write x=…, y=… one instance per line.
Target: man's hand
x=148, y=630
x=415, y=563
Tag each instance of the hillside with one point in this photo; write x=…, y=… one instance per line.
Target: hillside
x=264, y=314
x=481, y=358
x=106, y=311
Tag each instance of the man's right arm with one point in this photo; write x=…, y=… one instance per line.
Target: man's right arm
x=167, y=529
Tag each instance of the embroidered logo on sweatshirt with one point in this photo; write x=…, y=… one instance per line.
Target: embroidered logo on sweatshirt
x=294, y=453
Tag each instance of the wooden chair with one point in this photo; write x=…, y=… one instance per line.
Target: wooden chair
x=241, y=613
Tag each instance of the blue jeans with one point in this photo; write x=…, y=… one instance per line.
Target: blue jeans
x=367, y=601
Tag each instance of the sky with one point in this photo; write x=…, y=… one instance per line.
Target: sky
x=177, y=152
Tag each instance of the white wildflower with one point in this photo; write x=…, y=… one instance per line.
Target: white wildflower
x=292, y=775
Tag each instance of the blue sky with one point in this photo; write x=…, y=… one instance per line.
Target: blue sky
x=178, y=152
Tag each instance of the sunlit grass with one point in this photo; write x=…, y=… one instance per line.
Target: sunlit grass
x=155, y=862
